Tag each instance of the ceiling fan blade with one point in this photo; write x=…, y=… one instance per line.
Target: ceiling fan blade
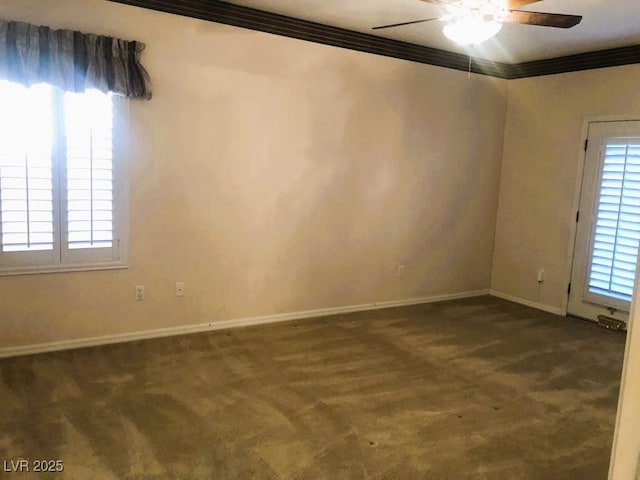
x=513, y=4
x=557, y=20
x=403, y=23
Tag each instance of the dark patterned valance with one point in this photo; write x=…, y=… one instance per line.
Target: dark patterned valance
x=72, y=61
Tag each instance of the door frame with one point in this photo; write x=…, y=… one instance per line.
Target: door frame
x=577, y=191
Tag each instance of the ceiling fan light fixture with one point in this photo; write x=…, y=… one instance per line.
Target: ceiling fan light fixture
x=471, y=22
x=471, y=30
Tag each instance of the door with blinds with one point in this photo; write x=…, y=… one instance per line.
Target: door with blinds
x=608, y=230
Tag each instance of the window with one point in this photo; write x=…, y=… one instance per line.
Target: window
x=617, y=223
x=62, y=181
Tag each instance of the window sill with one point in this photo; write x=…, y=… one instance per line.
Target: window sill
x=40, y=269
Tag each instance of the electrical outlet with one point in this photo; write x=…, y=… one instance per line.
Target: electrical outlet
x=540, y=276
x=401, y=270
x=179, y=289
x=139, y=292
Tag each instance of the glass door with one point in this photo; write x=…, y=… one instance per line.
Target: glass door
x=608, y=231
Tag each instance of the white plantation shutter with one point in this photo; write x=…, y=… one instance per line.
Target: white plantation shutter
x=617, y=226
x=89, y=147
x=26, y=169
x=27, y=220
x=62, y=190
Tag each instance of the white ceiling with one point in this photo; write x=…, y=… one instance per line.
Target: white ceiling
x=605, y=24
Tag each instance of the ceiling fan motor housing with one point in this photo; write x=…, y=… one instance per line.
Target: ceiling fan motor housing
x=485, y=10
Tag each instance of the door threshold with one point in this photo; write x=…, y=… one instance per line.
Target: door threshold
x=611, y=323
x=598, y=323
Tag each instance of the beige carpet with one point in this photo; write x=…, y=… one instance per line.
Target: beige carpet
x=471, y=389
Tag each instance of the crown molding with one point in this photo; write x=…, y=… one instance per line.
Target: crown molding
x=612, y=57
x=245, y=17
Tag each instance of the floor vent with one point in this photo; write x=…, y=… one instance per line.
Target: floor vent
x=611, y=323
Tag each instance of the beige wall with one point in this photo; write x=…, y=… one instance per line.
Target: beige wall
x=274, y=175
x=542, y=152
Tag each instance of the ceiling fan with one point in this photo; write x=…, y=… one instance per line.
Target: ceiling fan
x=474, y=21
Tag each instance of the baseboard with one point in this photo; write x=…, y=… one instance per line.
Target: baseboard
x=225, y=324
x=528, y=303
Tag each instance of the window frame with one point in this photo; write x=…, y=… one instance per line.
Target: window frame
x=61, y=258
